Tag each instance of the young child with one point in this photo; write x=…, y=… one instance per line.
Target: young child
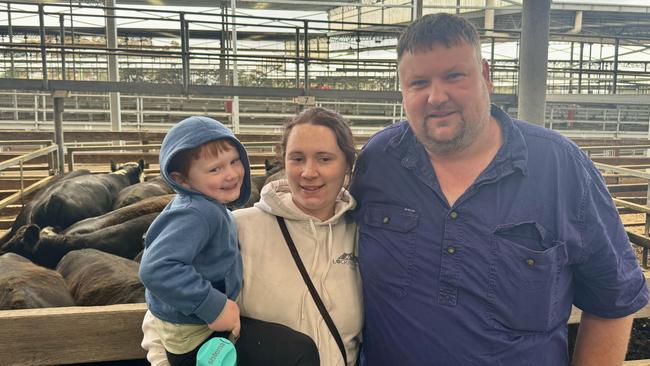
x=191, y=267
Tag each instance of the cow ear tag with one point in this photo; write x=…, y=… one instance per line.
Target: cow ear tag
x=217, y=352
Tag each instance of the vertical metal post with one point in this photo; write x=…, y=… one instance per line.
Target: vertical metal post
x=306, y=52
x=297, y=57
x=12, y=70
x=533, y=56
x=580, y=65
x=235, y=71
x=492, y=60
x=570, y=69
x=58, y=99
x=41, y=31
x=113, y=66
x=62, y=35
x=616, y=49
x=184, y=54
x=416, y=12
x=222, y=44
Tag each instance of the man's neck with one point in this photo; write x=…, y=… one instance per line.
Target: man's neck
x=457, y=171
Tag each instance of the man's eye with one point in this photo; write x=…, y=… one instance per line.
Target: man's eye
x=454, y=75
x=418, y=83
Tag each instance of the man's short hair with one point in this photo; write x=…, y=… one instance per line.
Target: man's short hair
x=440, y=28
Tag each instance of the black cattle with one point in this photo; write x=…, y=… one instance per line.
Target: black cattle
x=26, y=215
x=77, y=198
x=98, y=278
x=46, y=248
x=24, y=285
x=139, y=191
x=119, y=216
x=119, y=232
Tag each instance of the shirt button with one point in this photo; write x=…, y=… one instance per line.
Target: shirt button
x=530, y=262
x=451, y=250
x=386, y=220
x=453, y=215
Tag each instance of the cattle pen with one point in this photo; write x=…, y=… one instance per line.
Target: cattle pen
x=86, y=334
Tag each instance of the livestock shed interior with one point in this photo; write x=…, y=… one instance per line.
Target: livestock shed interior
x=84, y=83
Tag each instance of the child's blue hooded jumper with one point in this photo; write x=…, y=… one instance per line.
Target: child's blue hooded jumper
x=191, y=263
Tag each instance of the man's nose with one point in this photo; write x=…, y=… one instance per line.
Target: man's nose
x=437, y=94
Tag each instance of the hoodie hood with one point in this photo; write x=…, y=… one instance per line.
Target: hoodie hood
x=276, y=200
x=193, y=132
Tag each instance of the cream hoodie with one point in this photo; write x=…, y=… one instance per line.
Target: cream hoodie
x=273, y=289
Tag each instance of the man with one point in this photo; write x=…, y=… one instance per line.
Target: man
x=478, y=232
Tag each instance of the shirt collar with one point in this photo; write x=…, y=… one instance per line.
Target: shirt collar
x=512, y=155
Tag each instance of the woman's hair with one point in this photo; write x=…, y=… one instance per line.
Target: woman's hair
x=320, y=116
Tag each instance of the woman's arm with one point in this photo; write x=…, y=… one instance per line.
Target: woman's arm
x=156, y=354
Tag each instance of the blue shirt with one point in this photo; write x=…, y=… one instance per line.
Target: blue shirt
x=491, y=279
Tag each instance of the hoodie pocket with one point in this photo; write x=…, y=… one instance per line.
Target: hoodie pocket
x=386, y=248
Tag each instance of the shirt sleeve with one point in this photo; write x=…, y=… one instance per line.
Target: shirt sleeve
x=609, y=281
x=167, y=269
x=151, y=343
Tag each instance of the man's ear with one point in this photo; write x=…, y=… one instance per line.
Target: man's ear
x=485, y=70
x=180, y=179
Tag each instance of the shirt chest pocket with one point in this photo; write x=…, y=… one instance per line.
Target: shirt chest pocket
x=525, y=277
x=386, y=248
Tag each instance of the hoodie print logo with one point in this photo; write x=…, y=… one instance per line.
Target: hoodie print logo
x=348, y=259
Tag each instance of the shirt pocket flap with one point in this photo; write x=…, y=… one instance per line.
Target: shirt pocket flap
x=394, y=218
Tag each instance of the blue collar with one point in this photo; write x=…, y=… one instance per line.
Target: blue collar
x=512, y=155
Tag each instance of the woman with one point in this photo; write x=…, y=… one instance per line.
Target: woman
x=318, y=153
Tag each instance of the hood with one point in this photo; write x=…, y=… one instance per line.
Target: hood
x=195, y=131
x=276, y=200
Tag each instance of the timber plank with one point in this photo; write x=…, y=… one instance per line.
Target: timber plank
x=55, y=336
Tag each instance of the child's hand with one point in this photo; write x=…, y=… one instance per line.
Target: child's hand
x=228, y=320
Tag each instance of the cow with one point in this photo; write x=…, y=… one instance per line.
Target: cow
x=122, y=228
x=46, y=248
x=27, y=212
x=98, y=278
x=77, y=198
x=24, y=285
x=120, y=215
x=139, y=191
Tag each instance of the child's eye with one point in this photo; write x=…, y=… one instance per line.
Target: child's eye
x=418, y=83
x=235, y=161
x=215, y=170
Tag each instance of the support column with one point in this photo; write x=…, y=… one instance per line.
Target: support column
x=533, y=57
x=113, y=68
x=58, y=97
x=489, y=16
x=417, y=9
